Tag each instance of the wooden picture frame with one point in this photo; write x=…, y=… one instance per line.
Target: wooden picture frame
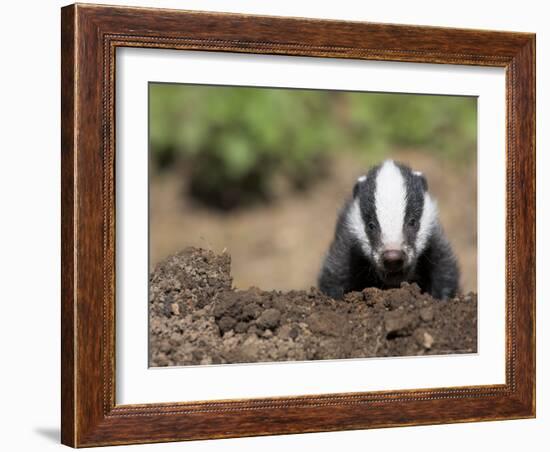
x=90, y=36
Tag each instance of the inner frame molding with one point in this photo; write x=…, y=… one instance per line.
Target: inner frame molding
x=90, y=36
x=136, y=67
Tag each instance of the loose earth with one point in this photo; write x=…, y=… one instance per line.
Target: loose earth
x=197, y=317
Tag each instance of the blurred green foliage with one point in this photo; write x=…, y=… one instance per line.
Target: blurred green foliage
x=234, y=140
x=442, y=125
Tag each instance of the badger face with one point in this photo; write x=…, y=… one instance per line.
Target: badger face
x=392, y=216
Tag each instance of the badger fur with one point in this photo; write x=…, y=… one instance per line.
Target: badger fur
x=388, y=233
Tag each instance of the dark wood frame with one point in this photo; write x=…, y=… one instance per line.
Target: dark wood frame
x=90, y=35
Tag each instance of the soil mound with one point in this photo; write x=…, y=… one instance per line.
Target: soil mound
x=196, y=317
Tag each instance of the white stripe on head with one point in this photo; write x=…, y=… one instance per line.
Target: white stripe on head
x=427, y=222
x=356, y=225
x=391, y=203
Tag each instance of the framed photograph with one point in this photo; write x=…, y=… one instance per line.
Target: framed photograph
x=282, y=225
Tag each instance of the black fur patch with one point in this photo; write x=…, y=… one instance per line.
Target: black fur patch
x=414, y=185
x=365, y=194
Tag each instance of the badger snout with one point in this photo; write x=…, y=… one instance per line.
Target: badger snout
x=393, y=260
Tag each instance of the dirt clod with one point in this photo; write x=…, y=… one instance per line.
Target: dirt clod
x=226, y=323
x=400, y=323
x=196, y=317
x=426, y=314
x=424, y=338
x=269, y=319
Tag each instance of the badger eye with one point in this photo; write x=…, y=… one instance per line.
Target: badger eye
x=412, y=222
x=371, y=226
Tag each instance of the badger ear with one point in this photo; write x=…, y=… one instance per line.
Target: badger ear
x=422, y=179
x=357, y=185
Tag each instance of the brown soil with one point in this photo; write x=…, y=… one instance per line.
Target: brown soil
x=197, y=317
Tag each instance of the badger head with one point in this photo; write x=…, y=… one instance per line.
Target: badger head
x=392, y=216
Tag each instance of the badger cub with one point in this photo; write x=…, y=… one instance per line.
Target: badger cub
x=387, y=233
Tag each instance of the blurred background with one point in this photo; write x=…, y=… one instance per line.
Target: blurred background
x=262, y=172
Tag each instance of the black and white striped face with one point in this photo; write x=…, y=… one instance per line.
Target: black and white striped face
x=392, y=216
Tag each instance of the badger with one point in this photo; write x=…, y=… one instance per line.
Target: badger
x=388, y=233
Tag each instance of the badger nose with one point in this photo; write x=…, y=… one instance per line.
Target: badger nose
x=393, y=259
